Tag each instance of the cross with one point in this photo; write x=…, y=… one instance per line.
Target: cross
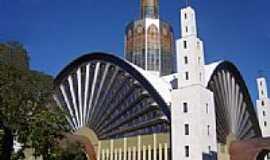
x=187, y=2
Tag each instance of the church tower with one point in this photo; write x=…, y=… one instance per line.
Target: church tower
x=263, y=106
x=190, y=51
x=149, y=42
x=193, y=111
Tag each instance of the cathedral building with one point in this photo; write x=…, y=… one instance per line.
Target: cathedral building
x=149, y=41
x=161, y=101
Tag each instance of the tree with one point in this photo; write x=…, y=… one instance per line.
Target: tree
x=29, y=114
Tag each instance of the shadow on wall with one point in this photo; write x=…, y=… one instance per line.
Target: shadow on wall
x=211, y=156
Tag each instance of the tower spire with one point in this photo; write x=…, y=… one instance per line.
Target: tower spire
x=149, y=9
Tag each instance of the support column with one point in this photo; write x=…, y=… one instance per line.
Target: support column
x=107, y=154
x=144, y=152
x=160, y=152
x=99, y=152
x=129, y=153
x=149, y=152
x=111, y=150
x=103, y=154
x=120, y=154
x=115, y=154
x=134, y=153
x=125, y=149
x=165, y=151
x=155, y=146
x=139, y=148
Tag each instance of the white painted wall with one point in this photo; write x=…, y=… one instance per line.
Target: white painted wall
x=263, y=107
x=200, y=101
x=200, y=114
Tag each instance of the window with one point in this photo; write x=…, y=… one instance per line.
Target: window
x=186, y=129
x=264, y=114
x=187, y=29
x=185, y=44
x=185, y=15
x=260, y=83
x=262, y=92
x=187, y=75
x=186, y=59
x=187, y=151
x=262, y=103
x=265, y=123
x=208, y=130
x=185, y=107
x=209, y=148
x=207, y=108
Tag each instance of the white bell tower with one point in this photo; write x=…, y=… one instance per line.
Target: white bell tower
x=190, y=51
x=263, y=106
x=193, y=112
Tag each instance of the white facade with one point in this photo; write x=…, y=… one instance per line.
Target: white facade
x=190, y=51
x=263, y=107
x=193, y=123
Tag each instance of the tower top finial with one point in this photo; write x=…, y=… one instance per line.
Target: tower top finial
x=187, y=3
x=149, y=9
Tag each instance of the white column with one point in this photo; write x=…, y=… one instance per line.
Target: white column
x=116, y=154
x=134, y=153
x=144, y=152
x=149, y=152
x=129, y=153
x=125, y=149
x=139, y=148
x=160, y=151
x=107, y=154
x=155, y=146
x=120, y=154
x=103, y=154
x=165, y=151
x=99, y=148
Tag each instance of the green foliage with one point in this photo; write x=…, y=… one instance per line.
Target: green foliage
x=29, y=112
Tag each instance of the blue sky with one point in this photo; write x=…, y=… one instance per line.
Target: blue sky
x=57, y=31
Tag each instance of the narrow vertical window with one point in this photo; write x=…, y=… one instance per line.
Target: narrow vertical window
x=264, y=114
x=186, y=59
x=265, y=123
x=208, y=130
x=187, y=151
x=185, y=44
x=186, y=129
x=262, y=103
x=187, y=29
x=187, y=75
x=185, y=107
x=185, y=15
x=207, y=108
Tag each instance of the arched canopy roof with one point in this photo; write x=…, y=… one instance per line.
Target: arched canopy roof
x=135, y=86
x=235, y=112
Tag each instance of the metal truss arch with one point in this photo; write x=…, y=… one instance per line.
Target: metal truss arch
x=235, y=113
x=110, y=96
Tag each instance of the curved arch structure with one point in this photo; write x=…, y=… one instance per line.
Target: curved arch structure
x=117, y=99
x=112, y=97
x=235, y=113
